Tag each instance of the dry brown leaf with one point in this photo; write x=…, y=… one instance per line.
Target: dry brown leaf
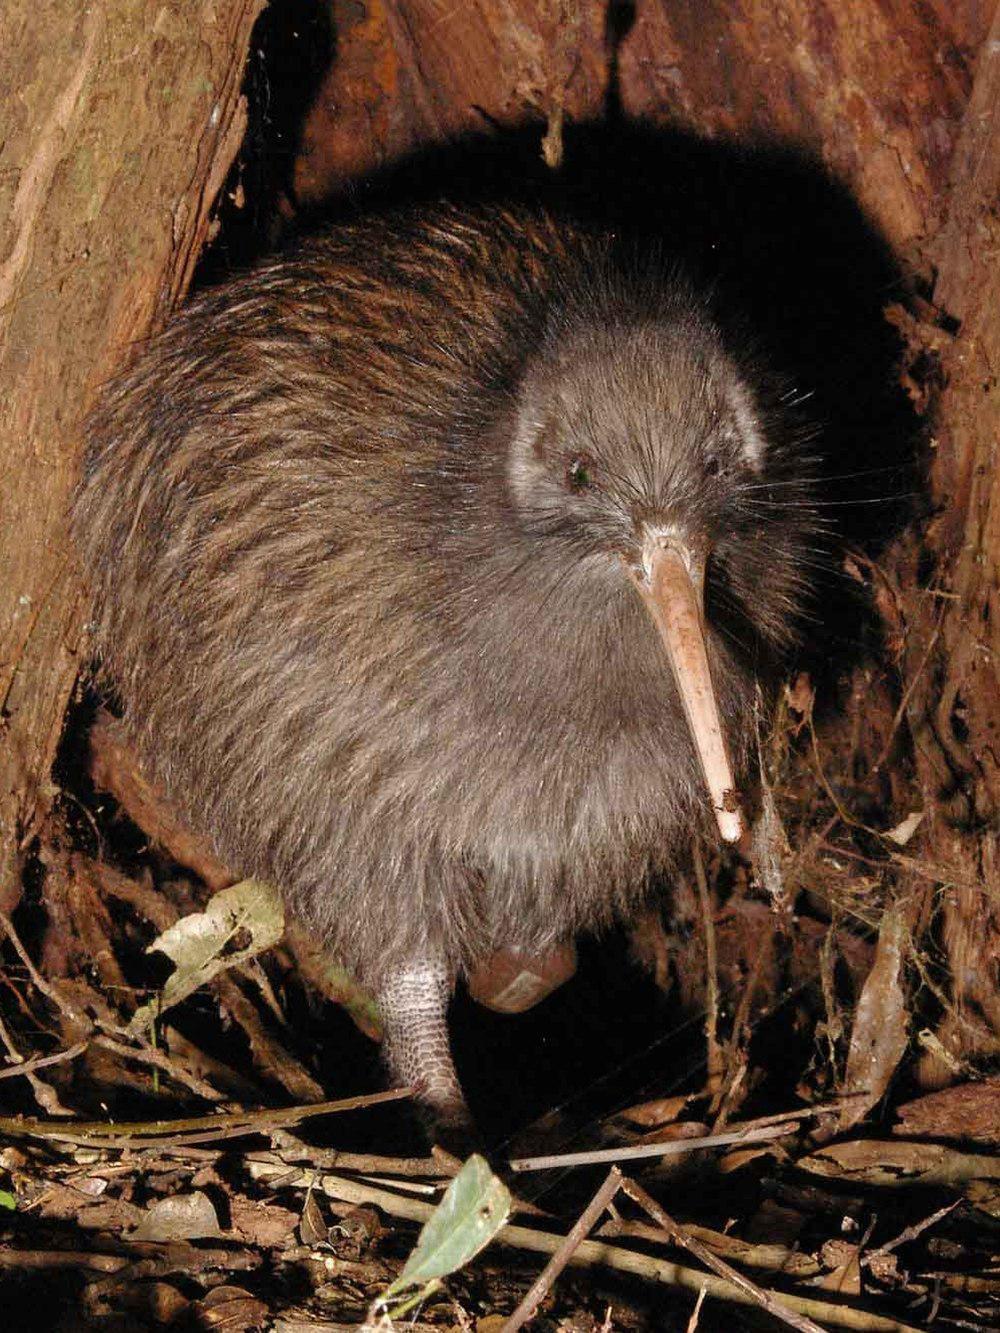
x=662, y=1111
x=899, y=1163
x=879, y=1036
x=905, y=829
x=312, y=1227
x=181, y=1217
x=65, y=1202
x=801, y=696
x=229, y=1310
x=842, y=1259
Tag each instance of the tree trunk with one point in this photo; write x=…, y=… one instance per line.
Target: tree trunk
x=954, y=653
x=120, y=123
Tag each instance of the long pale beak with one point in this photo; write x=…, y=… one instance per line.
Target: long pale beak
x=671, y=586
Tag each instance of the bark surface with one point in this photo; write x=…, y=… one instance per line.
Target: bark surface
x=120, y=123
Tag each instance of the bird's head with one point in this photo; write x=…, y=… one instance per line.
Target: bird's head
x=643, y=447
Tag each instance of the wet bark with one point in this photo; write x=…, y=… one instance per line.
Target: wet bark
x=120, y=123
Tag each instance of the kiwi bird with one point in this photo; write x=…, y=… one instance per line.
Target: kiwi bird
x=439, y=566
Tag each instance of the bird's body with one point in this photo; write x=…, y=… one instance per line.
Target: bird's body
x=364, y=529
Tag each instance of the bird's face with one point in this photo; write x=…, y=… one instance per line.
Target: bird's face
x=642, y=451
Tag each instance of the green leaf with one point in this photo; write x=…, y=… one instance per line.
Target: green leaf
x=8, y=1200
x=238, y=923
x=475, y=1207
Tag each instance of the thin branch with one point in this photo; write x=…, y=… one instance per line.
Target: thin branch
x=196, y=1129
x=713, y=1050
x=674, y=1148
x=44, y=1061
x=540, y=1288
x=588, y=1254
x=767, y=1300
x=910, y=1233
x=63, y=1005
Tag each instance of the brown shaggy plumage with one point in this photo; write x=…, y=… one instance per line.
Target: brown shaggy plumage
x=353, y=525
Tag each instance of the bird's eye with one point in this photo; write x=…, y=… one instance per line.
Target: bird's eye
x=579, y=473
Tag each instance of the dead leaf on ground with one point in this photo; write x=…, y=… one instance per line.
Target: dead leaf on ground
x=63, y=1202
x=229, y=1310
x=843, y=1261
x=238, y=923
x=879, y=1036
x=181, y=1217
x=651, y=1115
x=899, y=1163
x=905, y=829
x=313, y=1229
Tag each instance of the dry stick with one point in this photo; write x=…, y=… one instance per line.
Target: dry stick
x=402, y=1183
x=715, y=1059
x=223, y=1124
x=144, y=1055
x=164, y=1261
x=540, y=1288
x=75, y=1259
x=673, y=1148
x=290, y=1323
x=767, y=1300
x=149, y=1055
x=834, y=1107
x=796, y=1265
x=8, y=1041
x=910, y=1233
x=904, y=702
x=723, y=1107
x=932, y=870
x=289, y=1149
x=806, y=853
x=62, y=1004
x=693, y=1322
x=45, y=1095
x=588, y=1254
x=292, y=1151
x=43, y=1061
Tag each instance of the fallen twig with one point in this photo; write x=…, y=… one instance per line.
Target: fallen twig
x=674, y=1148
x=767, y=1300
x=539, y=1289
x=197, y=1129
x=911, y=1233
x=588, y=1254
x=43, y=1061
x=713, y=1051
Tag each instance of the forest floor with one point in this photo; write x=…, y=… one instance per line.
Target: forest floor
x=203, y=1143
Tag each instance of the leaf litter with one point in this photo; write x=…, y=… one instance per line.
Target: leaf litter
x=168, y=1158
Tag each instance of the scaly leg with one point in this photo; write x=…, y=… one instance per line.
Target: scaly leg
x=414, y=1004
